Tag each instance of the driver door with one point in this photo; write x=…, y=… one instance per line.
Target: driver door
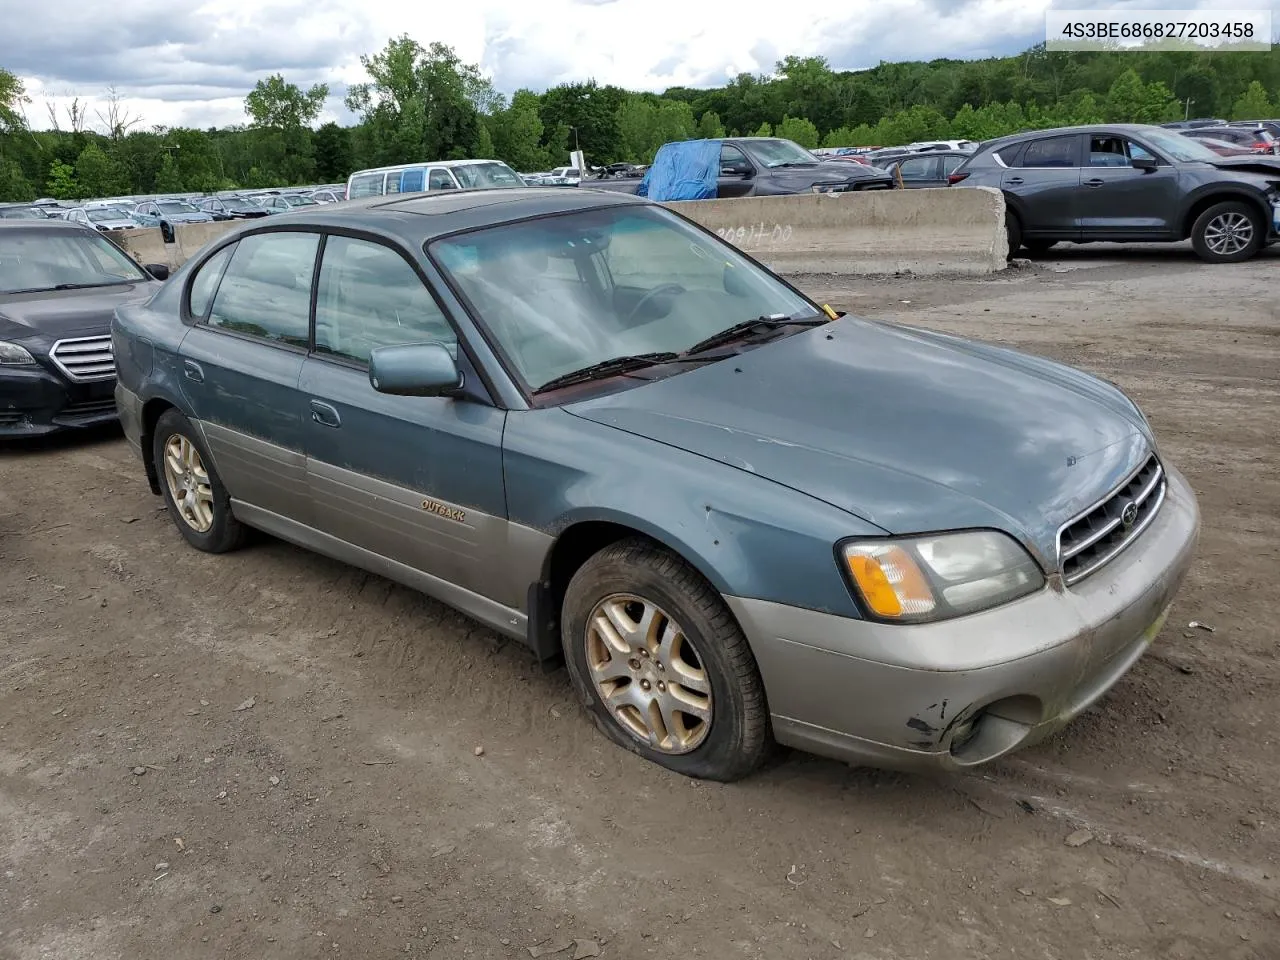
x=737, y=173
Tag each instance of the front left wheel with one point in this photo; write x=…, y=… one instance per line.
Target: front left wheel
x=198, y=502
x=1228, y=232
x=661, y=665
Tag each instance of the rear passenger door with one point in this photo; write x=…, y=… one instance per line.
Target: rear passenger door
x=250, y=303
x=417, y=480
x=1044, y=185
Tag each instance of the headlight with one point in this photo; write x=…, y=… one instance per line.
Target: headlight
x=14, y=355
x=916, y=579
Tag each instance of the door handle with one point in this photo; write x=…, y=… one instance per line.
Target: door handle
x=1014, y=181
x=1095, y=182
x=191, y=370
x=325, y=414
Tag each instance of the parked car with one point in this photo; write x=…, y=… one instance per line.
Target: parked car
x=770, y=166
x=426, y=177
x=328, y=195
x=511, y=404
x=1224, y=149
x=59, y=283
x=1192, y=124
x=1271, y=126
x=22, y=211
x=932, y=169
x=1256, y=140
x=1129, y=183
x=231, y=208
x=151, y=213
x=102, y=218
x=284, y=202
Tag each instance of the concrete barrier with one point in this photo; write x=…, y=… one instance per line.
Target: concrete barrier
x=146, y=244
x=944, y=231
x=933, y=231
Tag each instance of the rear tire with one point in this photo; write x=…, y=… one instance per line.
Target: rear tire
x=1228, y=232
x=1013, y=229
x=644, y=630
x=198, y=502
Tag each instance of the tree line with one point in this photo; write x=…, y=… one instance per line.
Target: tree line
x=424, y=103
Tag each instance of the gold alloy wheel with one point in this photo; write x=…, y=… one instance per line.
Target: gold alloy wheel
x=648, y=674
x=188, y=483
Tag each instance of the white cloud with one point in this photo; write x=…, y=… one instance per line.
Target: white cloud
x=193, y=64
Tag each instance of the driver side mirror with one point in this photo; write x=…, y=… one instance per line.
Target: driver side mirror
x=415, y=370
x=1145, y=164
x=158, y=270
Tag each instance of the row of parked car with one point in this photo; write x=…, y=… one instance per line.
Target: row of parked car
x=124, y=213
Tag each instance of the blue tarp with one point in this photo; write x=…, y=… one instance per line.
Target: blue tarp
x=685, y=170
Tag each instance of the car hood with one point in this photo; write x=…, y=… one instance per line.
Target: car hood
x=1268, y=166
x=909, y=430
x=823, y=172
x=50, y=314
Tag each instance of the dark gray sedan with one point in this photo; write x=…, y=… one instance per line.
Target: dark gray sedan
x=601, y=430
x=1129, y=183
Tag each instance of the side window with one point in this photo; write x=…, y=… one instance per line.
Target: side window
x=440, y=180
x=205, y=282
x=1051, y=152
x=393, y=181
x=950, y=165
x=919, y=168
x=367, y=185
x=266, y=290
x=731, y=158
x=1139, y=153
x=370, y=297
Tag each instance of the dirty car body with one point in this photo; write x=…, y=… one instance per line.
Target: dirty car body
x=601, y=430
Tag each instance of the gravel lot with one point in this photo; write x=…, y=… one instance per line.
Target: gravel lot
x=269, y=754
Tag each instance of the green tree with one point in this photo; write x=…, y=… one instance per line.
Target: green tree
x=764, y=130
x=12, y=97
x=517, y=133
x=1131, y=101
x=100, y=175
x=279, y=105
x=62, y=181
x=1254, y=104
x=14, y=186
x=484, y=148
x=590, y=113
x=800, y=130
x=710, y=127
x=419, y=102
x=332, y=146
x=168, y=178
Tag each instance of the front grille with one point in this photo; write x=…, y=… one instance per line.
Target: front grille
x=84, y=358
x=1095, y=537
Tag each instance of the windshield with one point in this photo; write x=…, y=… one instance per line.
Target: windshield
x=493, y=174
x=240, y=205
x=1177, y=147
x=774, y=153
x=23, y=213
x=99, y=214
x=564, y=292
x=299, y=201
x=176, y=206
x=41, y=259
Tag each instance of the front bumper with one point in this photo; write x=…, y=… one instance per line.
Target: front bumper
x=35, y=402
x=960, y=693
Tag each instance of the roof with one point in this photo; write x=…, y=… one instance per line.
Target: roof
x=422, y=217
x=1120, y=129
x=420, y=163
x=49, y=223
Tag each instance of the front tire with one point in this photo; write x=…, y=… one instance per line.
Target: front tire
x=198, y=502
x=661, y=665
x=1228, y=232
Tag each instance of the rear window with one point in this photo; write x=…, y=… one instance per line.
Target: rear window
x=367, y=185
x=1051, y=152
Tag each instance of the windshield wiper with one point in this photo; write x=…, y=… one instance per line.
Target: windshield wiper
x=86, y=286
x=614, y=365
x=738, y=330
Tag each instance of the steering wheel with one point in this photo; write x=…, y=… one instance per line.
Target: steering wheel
x=670, y=288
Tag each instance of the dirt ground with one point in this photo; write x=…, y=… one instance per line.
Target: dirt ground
x=271, y=755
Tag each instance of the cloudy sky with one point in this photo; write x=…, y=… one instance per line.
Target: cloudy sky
x=191, y=62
